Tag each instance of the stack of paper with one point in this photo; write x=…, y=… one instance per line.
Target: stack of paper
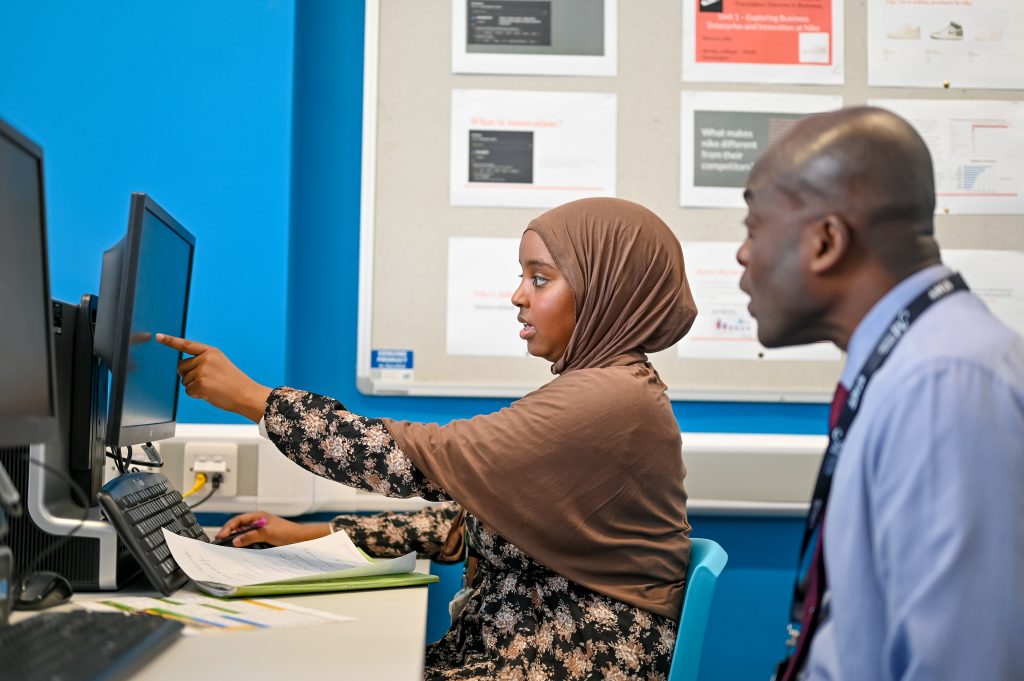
x=331, y=563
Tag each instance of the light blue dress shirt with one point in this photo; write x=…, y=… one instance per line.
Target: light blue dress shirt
x=924, y=538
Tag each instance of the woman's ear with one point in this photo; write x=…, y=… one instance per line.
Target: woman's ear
x=830, y=242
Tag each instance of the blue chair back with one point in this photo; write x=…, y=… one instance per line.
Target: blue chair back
x=707, y=560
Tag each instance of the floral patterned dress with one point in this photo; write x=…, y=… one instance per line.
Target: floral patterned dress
x=523, y=621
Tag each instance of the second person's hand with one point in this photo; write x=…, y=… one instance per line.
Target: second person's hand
x=276, y=532
x=209, y=375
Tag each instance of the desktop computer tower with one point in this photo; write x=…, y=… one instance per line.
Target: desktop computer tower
x=93, y=558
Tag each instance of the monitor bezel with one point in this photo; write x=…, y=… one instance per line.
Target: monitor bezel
x=118, y=435
x=20, y=430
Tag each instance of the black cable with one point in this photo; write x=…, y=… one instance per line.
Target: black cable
x=215, y=482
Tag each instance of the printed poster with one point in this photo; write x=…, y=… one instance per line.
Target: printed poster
x=724, y=133
x=483, y=273
x=976, y=147
x=946, y=43
x=724, y=329
x=763, y=41
x=513, y=148
x=994, y=276
x=535, y=37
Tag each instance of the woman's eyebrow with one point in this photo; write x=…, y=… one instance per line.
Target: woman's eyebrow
x=539, y=263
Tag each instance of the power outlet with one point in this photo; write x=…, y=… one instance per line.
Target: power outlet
x=210, y=457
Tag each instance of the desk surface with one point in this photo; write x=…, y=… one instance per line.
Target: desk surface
x=386, y=641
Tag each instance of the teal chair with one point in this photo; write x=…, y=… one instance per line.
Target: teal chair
x=707, y=560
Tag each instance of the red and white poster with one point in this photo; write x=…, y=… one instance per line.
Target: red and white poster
x=763, y=41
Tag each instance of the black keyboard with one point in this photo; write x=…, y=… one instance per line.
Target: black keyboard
x=139, y=506
x=82, y=646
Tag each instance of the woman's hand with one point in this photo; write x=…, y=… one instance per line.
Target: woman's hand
x=209, y=375
x=276, y=532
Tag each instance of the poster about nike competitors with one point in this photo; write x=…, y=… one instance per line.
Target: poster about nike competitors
x=946, y=44
x=763, y=41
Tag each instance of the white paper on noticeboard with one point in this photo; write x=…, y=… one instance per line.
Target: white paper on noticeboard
x=724, y=329
x=724, y=133
x=763, y=41
x=947, y=43
x=976, y=147
x=483, y=273
x=535, y=37
x=994, y=276
x=514, y=148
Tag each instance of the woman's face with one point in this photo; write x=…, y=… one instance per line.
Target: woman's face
x=546, y=306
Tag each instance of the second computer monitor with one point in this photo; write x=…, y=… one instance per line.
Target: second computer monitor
x=144, y=290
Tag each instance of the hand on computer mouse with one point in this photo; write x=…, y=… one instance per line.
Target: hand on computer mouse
x=40, y=590
x=275, y=531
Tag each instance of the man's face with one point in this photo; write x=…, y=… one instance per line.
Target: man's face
x=775, y=259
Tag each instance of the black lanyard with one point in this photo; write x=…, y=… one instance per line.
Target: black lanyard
x=837, y=435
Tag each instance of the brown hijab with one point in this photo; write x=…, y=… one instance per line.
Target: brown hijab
x=585, y=474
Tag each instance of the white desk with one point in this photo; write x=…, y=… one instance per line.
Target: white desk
x=386, y=641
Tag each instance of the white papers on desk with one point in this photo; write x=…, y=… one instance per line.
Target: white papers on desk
x=205, y=615
x=925, y=43
x=483, y=273
x=535, y=37
x=976, y=147
x=517, y=148
x=767, y=41
x=724, y=133
x=724, y=328
x=221, y=569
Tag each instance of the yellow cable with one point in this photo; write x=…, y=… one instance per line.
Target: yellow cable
x=200, y=481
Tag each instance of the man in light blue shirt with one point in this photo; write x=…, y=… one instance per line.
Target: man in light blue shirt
x=924, y=527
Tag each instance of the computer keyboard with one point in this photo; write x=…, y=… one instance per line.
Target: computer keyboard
x=82, y=646
x=139, y=506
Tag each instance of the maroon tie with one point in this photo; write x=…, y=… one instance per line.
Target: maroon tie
x=816, y=574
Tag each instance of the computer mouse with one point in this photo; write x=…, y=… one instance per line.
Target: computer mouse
x=259, y=545
x=40, y=590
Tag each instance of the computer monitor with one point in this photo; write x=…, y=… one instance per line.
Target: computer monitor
x=145, y=284
x=28, y=402
x=144, y=290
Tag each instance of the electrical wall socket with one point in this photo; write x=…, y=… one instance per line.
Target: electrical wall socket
x=210, y=457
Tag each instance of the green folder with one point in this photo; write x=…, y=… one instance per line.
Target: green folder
x=323, y=586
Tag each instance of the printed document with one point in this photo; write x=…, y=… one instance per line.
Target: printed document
x=221, y=569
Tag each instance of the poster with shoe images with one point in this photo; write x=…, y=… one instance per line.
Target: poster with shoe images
x=975, y=146
x=763, y=41
x=946, y=43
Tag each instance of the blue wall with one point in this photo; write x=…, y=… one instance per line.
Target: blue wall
x=189, y=101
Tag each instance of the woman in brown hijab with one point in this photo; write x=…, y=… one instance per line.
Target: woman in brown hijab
x=573, y=494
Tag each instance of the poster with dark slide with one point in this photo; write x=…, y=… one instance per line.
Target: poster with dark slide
x=535, y=37
x=508, y=22
x=500, y=156
x=723, y=134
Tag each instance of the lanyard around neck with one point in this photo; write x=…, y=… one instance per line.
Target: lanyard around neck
x=851, y=405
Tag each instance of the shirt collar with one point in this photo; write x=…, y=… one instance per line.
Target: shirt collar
x=871, y=328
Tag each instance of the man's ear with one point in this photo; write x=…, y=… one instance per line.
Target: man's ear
x=830, y=242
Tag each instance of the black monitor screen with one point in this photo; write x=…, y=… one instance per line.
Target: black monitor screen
x=27, y=400
x=144, y=291
x=161, y=292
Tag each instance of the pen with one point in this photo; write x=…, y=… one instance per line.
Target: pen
x=226, y=541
